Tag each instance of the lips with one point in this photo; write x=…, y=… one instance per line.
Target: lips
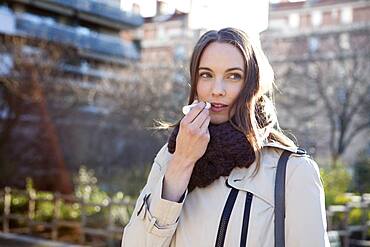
x=217, y=107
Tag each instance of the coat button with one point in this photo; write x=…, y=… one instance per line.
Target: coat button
x=301, y=151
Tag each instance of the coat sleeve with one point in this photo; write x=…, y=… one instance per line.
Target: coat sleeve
x=306, y=224
x=154, y=219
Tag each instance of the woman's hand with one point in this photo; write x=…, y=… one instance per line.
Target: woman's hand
x=193, y=136
x=191, y=144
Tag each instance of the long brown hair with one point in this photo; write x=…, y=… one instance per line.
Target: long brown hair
x=255, y=113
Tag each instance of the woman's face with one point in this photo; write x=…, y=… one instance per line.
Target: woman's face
x=220, y=79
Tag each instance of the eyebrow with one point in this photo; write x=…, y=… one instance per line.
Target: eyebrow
x=230, y=69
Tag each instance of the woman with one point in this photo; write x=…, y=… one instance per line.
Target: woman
x=213, y=183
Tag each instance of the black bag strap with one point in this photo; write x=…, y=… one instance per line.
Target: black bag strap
x=279, y=229
x=280, y=197
x=225, y=217
x=247, y=212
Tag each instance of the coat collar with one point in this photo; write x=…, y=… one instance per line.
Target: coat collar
x=262, y=184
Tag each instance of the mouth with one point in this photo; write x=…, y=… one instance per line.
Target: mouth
x=218, y=107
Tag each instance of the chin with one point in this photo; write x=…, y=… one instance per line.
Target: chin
x=218, y=120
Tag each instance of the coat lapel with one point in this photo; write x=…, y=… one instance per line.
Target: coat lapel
x=263, y=183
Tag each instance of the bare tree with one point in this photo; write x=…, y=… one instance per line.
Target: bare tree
x=24, y=97
x=158, y=93
x=343, y=86
x=328, y=89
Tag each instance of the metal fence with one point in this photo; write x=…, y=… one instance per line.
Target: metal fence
x=100, y=8
x=110, y=233
x=343, y=229
x=40, y=27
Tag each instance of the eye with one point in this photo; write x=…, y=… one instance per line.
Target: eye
x=235, y=76
x=205, y=75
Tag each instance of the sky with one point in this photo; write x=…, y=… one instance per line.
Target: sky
x=249, y=15
x=148, y=6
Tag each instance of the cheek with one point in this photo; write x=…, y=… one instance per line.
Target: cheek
x=202, y=88
x=235, y=90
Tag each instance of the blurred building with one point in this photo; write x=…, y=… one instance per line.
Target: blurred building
x=165, y=37
x=313, y=31
x=314, y=14
x=314, y=19
x=91, y=26
x=74, y=49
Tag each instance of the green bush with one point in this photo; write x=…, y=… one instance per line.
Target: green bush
x=354, y=218
x=88, y=191
x=44, y=209
x=361, y=174
x=336, y=181
x=19, y=203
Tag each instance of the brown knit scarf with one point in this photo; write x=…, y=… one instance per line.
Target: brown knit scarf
x=227, y=148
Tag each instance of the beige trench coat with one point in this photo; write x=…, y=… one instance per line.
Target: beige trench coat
x=195, y=220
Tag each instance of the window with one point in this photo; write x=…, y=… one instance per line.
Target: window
x=6, y=64
x=180, y=53
x=316, y=18
x=334, y=14
x=346, y=15
x=294, y=20
x=344, y=41
x=277, y=23
x=313, y=44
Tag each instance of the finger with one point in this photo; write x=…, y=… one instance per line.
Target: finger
x=186, y=109
x=200, y=119
x=194, y=112
x=205, y=124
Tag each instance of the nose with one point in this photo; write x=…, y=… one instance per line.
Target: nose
x=218, y=88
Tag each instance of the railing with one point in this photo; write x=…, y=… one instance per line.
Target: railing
x=343, y=229
x=340, y=233
x=111, y=233
x=100, y=9
x=84, y=39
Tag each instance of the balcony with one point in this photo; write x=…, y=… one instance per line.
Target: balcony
x=84, y=39
x=91, y=11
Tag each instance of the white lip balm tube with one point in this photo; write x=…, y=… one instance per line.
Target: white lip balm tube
x=186, y=109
